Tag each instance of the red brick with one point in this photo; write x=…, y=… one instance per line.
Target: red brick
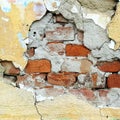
x=31, y=52
x=10, y=69
x=87, y=93
x=25, y=80
x=85, y=66
x=103, y=93
x=21, y=78
x=38, y=66
x=60, y=34
x=94, y=78
x=76, y=50
x=113, y=81
x=61, y=79
x=56, y=47
x=60, y=18
x=80, y=35
x=110, y=66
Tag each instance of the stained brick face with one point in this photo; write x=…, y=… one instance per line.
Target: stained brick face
x=76, y=50
x=61, y=79
x=56, y=47
x=87, y=93
x=110, y=66
x=113, y=81
x=60, y=34
x=38, y=66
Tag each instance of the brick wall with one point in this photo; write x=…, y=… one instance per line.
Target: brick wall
x=64, y=57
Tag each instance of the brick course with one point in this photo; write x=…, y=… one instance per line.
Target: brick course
x=61, y=79
x=113, y=66
x=76, y=50
x=38, y=66
x=113, y=81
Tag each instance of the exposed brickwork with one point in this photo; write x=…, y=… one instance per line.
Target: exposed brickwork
x=89, y=94
x=113, y=81
x=60, y=33
x=10, y=69
x=76, y=50
x=56, y=47
x=61, y=79
x=85, y=66
x=21, y=78
x=38, y=66
x=103, y=93
x=94, y=78
x=38, y=76
x=110, y=66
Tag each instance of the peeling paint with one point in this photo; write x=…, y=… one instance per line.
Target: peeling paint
x=16, y=18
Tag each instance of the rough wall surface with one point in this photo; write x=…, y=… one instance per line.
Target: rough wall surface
x=53, y=44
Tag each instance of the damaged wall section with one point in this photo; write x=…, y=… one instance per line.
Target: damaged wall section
x=69, y=43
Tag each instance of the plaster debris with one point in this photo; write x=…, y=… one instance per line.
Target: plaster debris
x=94, y=34
x=105, y=53
x=75, y=15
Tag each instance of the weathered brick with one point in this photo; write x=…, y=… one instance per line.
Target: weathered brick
x=87, y=93
x=103, y=93
x=61, y=79
x=76, y=50
x=60, y=33
x=60, y=19
x=31, y=52
x=71, y=65
x=21, y=78
x=38, y=76
x=85, y=66
x=56, y=47
x=113, y=66
x=76, y=65
x=113, y=81
x=25, y=81
x=38, y=66
x=10, y=69
x=94, y=78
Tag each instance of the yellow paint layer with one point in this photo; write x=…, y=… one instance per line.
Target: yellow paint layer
x=114, y=27
x=16, y=104
x=68, y=107
x=14, y=26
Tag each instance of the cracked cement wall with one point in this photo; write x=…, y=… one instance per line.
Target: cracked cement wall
x=60, y=49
